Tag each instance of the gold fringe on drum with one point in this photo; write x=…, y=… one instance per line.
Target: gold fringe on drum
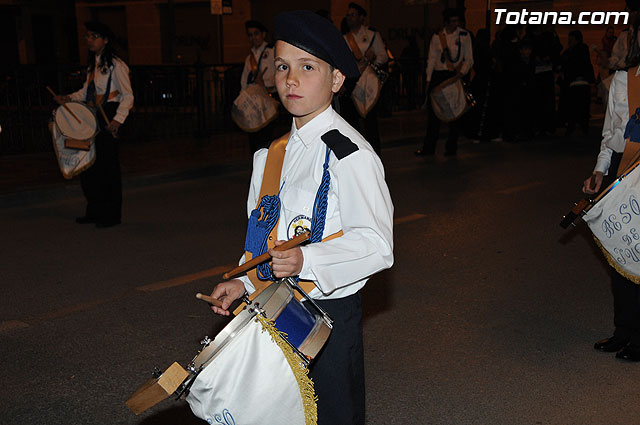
x=305, y=384
x=613, y=263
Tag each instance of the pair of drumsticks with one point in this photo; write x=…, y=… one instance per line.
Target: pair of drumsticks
x=291, y=243
x=66, y=108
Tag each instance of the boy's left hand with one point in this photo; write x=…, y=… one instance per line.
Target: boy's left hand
x=286, y=263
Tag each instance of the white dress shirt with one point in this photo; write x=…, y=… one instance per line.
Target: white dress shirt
x=363, y=39
x=615, y=120
x=267, y=65
x=457, y=40
x=359, y=204
x=119, y=81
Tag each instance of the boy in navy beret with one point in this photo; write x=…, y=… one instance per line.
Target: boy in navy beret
x=326, y=163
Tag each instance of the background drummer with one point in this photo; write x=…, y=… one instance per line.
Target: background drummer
x=108, y=88
x=459, y=52
x=626, y=294
x=312, y=60
x=373, y=50
x=259, y=69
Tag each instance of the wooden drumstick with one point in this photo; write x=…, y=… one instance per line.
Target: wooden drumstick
x=209, y=299
x=291, y=243
x=64, y=105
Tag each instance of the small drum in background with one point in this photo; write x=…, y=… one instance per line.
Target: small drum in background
x=450, y=99
x=73, y=129
x=77, y=122
x=367, y=91
x=254, y=109
x=615, y=223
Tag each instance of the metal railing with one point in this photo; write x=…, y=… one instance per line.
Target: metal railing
x=170, y=101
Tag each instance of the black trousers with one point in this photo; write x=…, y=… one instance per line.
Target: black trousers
x=102, y=183
x=433, y=125
x=338, y=371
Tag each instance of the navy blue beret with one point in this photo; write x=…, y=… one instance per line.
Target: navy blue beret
x=316, y=35
x=99, y=28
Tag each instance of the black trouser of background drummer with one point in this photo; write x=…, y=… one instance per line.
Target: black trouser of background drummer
x=338, y=370
x=433, y=123
x=626, y=294
x=101, y=183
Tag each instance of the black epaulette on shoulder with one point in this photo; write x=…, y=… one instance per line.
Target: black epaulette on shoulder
x=626, y=29
x=464, y=33
x=340, y=144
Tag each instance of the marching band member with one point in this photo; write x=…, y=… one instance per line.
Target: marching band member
x=457, y=51
x=367, y=46
x=326, y=163
x=259, y=69
x=626, y=294
x=108, y=88
x=621, y=46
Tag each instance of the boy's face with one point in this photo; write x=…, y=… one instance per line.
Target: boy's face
x=256, y=37
x=305, y=83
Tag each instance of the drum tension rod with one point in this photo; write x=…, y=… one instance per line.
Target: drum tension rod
x=306, y=296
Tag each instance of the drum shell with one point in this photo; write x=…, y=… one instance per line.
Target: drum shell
x=308, y=331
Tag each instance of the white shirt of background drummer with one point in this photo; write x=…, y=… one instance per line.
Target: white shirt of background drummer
x=359, y=204
x=119, y=81
x=615, y=120
x=267, y=65
x=363, y=39
x=435, y=52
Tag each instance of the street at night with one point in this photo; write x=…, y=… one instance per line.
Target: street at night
x=488, y=315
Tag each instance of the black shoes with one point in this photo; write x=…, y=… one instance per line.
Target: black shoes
x=611, y=345
x=630, y=352
x=85, y=220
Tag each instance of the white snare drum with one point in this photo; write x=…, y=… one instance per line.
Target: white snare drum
x=254, y=109
x=367, y=91
x=615, y=222
x=82, y=126
x=243, y=374
x=450, y=100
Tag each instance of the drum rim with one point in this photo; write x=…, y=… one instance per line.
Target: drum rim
x=91, y=110
x=239, y=323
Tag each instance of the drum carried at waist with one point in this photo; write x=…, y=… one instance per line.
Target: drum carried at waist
x=254, y=109
x=73, y=128
x=254, y=370
x=614, y=220
x=367, y=91
x=450, y=99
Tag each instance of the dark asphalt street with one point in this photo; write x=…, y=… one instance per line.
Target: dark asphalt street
x=488, y=316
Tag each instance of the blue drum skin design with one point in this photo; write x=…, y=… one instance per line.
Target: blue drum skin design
x=296, y=321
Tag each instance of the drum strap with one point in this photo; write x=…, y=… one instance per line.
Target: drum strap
x=271, y=187
x=353, y=45
x=255, y=66
x=445, y=46
x=91, y=90
x=632, y=150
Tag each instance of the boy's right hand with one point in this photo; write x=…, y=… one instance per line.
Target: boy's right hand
x=592, y=184
x=227, y=292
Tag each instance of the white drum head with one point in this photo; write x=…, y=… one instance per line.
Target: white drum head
x=83, y=128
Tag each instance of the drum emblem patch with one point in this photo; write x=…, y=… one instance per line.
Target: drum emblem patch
x=298, y=225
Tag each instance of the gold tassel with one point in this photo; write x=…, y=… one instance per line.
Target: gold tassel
x=305, y=384
x=613, y=263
